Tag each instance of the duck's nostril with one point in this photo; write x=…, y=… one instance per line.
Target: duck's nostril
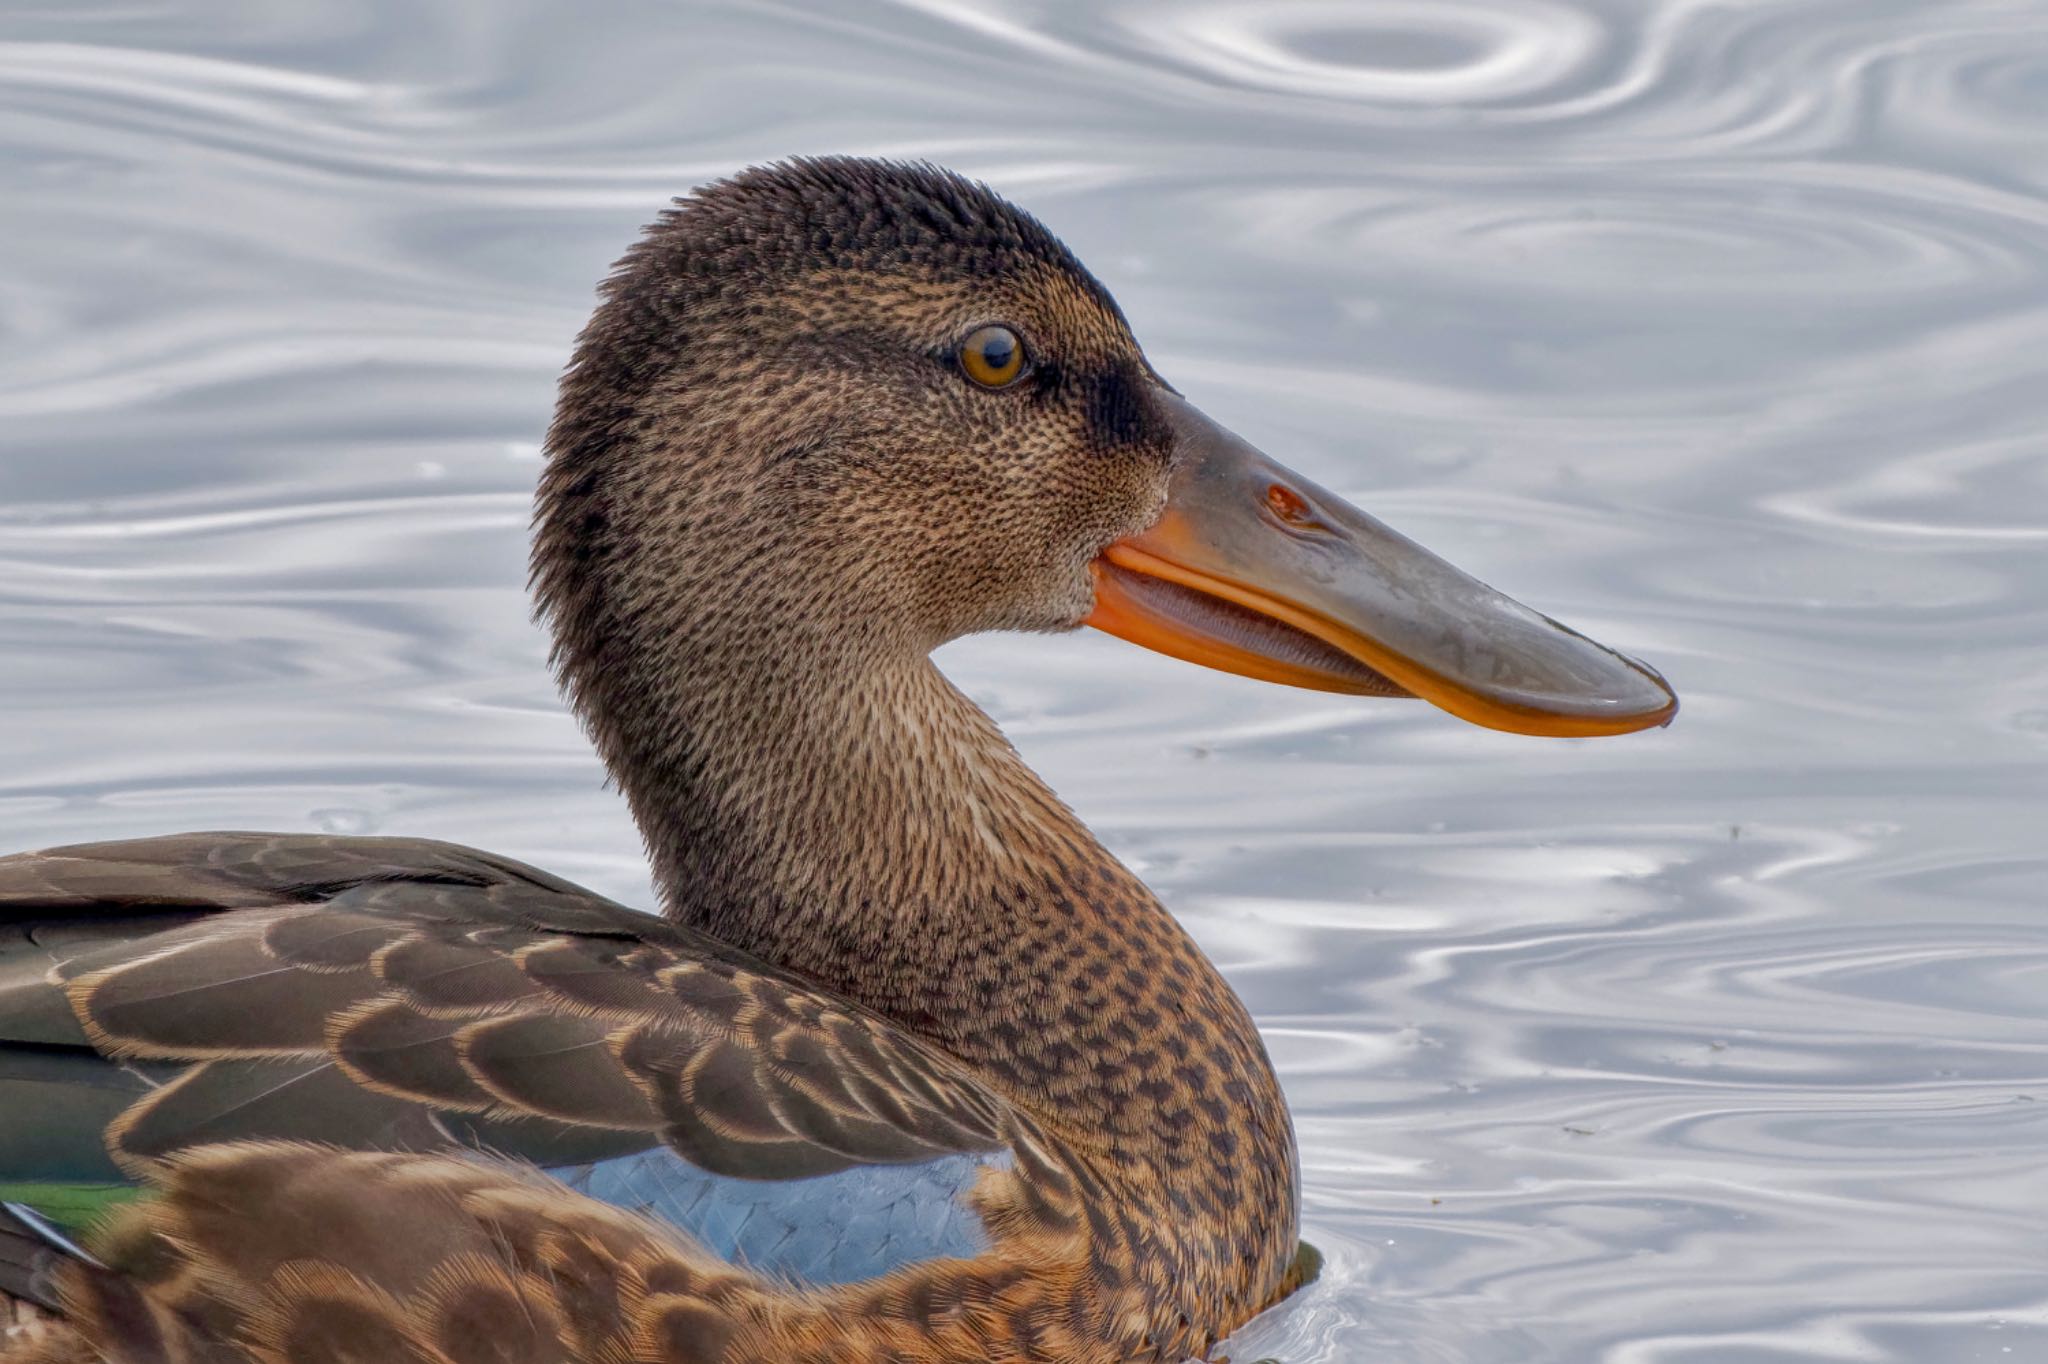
x=1288, y=505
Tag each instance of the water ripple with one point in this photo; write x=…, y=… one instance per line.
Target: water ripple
x=1403, y=51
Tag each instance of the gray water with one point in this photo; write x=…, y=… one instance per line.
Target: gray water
x=1715, y=328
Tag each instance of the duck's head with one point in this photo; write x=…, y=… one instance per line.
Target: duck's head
x=841, y=409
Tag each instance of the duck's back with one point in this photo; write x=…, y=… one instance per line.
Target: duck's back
x=166, y=995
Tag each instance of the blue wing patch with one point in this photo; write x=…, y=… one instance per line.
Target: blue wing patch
x=829, y=1229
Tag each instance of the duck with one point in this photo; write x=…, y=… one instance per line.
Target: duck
x=908, y=1066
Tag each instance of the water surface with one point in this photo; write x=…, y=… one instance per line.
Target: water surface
x=1713, y=328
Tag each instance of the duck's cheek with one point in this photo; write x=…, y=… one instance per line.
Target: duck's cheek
x=1060, y=600
x=1079, y=602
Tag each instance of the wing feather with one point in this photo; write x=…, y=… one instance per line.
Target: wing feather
x=385, y=994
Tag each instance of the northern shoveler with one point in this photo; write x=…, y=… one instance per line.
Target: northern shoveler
x=910, y=1067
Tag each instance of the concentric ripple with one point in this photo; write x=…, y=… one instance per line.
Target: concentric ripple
x=1404, y=51
x=1700, y=240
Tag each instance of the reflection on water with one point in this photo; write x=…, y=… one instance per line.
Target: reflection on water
x=1715, y=329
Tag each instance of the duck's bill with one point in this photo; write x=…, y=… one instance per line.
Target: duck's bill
x=1255, y=570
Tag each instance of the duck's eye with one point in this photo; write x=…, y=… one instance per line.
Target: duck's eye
x=992, y=356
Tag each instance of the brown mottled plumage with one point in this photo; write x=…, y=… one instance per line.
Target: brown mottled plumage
x=769, y=496
x=286, y=1250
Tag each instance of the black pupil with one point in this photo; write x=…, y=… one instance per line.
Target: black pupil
x=998, y=349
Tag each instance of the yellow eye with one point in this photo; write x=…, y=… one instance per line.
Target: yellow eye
x=992, y=356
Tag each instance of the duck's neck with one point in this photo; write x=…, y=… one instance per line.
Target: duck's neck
x=869, y=828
